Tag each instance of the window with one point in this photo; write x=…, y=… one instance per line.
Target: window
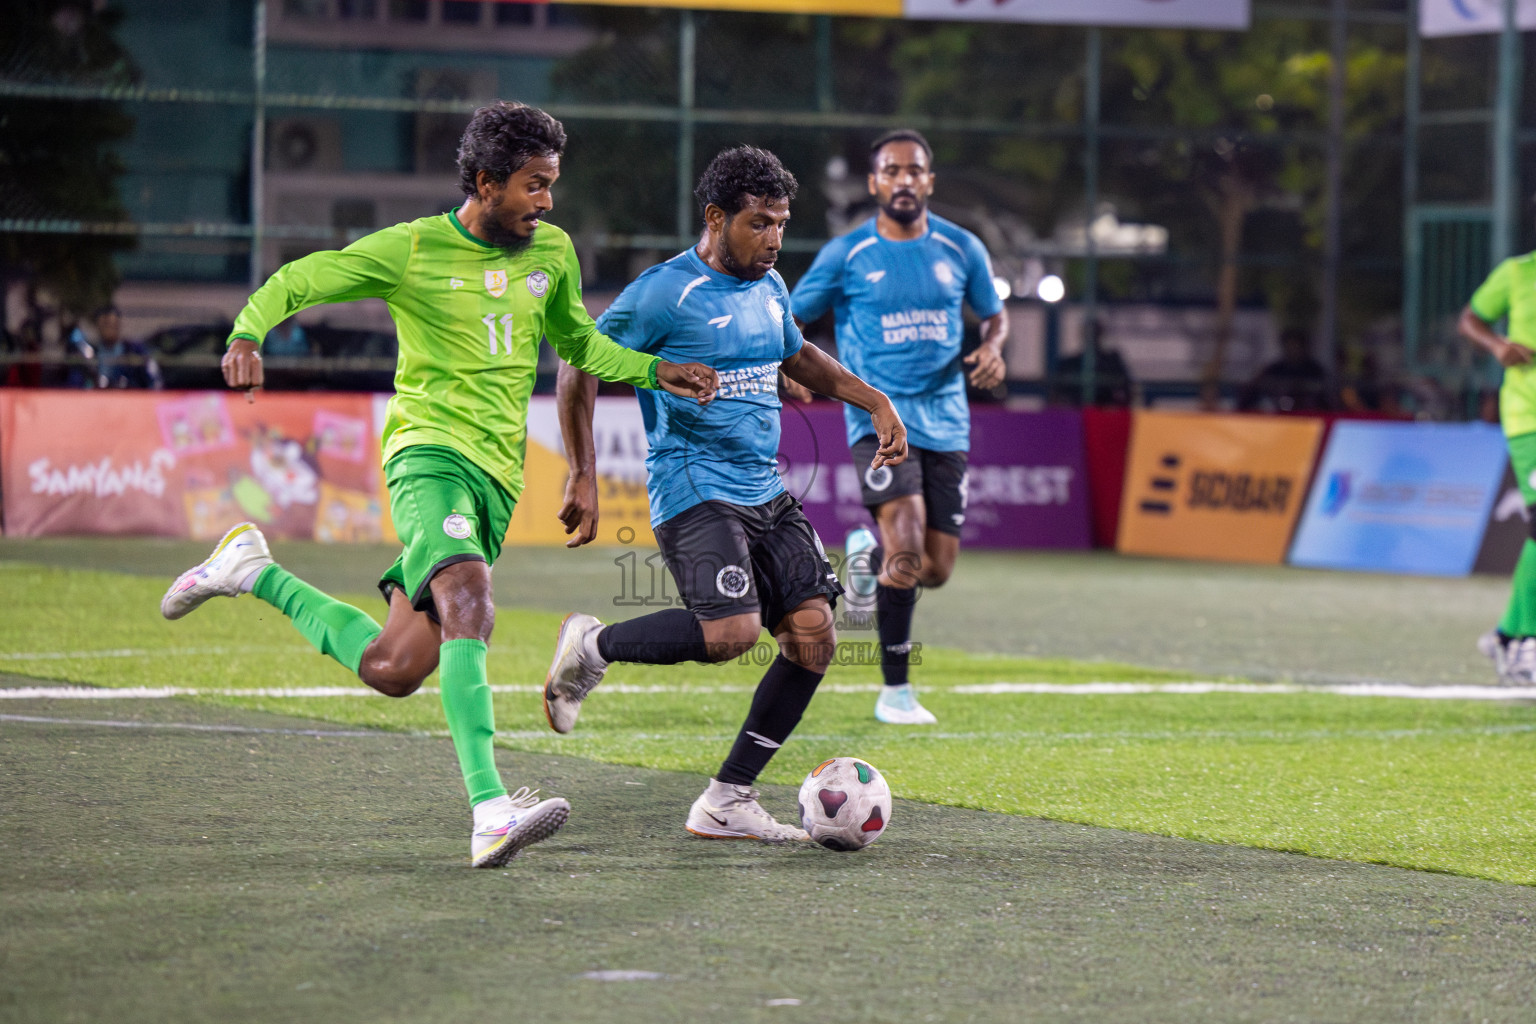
x=514, y=14
x=461, y=12
x=408, y=10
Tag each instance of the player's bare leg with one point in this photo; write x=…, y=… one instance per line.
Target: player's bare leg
x=405, y=653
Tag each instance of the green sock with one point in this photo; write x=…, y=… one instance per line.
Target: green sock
x=334, y=627
x=1520, y=613
x=471, y=720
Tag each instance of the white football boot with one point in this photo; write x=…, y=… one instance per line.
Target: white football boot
x=242, y=552
x=859, y=601
x=897, y=705
x=724, y=811
x=575, y=671
x=516, y=821
x=1520, y=662
x=1492, y=647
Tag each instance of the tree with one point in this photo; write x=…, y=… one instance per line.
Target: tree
x=56, y=160
x=1256, y=105
x=1202, y=131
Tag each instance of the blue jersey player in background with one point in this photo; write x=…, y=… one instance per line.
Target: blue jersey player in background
x=739, y=547
x=896, y=285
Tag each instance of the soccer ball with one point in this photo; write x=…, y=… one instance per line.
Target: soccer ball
x=845, y=803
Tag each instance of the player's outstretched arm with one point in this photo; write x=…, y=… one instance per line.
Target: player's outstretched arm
x=823, y=374
x=575, y=400
x=690, y=380
x=370, y=267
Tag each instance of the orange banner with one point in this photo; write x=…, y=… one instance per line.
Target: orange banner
x=300, y=465
x=1226, y=488
x=189, y=464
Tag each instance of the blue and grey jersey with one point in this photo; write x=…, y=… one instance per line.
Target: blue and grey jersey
x=898, y=310
x=684, y=312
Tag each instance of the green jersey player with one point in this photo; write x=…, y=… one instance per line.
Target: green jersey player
x=1510, y=293
x=471, y=292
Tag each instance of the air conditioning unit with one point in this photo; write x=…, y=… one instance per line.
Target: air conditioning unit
x=437, y=135
x=303, y=144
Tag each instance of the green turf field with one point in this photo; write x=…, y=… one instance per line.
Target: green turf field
x=1112, y=921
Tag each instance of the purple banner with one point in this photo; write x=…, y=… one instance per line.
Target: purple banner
x=1027, y=484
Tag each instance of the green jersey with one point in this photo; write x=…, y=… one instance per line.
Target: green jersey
x=1511, y=291
x=469, y=317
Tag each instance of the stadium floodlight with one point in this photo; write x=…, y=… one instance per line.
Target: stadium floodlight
x=1051, y=288
x=1004, y=289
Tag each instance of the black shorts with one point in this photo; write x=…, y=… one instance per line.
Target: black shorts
x=938, y=476
x=731, y=559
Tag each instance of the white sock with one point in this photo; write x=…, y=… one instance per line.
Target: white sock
x=249, y=583
x=492, y=812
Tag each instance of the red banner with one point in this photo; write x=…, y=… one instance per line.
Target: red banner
x=189, y=464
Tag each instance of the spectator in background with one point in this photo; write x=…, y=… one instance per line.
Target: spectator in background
x=123, y=363
x=78, y=347
x=286, y=339
x=25, y=369
x=1296, y=382
x=1112, y=384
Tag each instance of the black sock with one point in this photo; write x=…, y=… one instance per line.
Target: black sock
x=893, y=619
x=660, y=638
x=780, y=700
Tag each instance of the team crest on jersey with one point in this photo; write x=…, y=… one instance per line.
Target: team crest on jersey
x=538, y=284
x=456, y=526
x=732, y=581
x=774, y=309
x=944, y=272
x=496, y=283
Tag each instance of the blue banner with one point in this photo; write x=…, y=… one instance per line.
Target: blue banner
x=1401, y=497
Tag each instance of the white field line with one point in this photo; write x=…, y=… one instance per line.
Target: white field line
x=1089, y=689
x=1013, y=735
x=1345, y=686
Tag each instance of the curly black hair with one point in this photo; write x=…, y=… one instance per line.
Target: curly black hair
x=504, y=136
x=734, y=174
x=899, y=135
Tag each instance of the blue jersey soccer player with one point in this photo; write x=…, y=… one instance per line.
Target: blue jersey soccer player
x=740, y=549
x=896, y=285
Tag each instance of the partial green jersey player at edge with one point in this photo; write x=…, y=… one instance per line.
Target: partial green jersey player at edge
x=1509, y=293
x=471, y=293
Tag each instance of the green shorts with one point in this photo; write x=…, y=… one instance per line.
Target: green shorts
x=446, y=510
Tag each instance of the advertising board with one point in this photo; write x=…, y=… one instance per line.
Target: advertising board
x=1402, y=497
x=1227, y=488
